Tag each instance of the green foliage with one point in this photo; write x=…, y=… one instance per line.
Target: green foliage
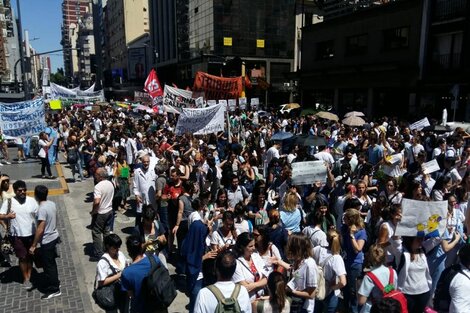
x=59, y=77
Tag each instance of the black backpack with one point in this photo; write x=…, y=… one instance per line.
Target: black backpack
x=158, y=289
x=72, y=156
x=442, y=295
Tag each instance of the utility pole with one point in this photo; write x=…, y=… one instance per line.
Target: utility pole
x=20, y=39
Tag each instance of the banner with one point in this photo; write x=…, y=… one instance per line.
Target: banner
x=175, y=99
x=60, y=92
x=215, y=87
x=152, y=85
x=201, y=121
x=422, y=218
x=306, y=173
x=25, y=118
x=420, y=124
x=254, y=103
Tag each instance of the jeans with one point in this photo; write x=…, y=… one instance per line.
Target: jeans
x=100, y=228
x=77, y=168
x=163, y=214
x=51, y=275
x=52, y=154
x=45, y=165
x=350, y=290
x=329, y=304
x=194, y=290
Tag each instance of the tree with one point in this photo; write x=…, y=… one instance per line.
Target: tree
x=59, y=77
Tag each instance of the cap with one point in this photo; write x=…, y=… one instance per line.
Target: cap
x=139, y=135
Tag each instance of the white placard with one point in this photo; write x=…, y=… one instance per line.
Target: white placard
x=422, y=218
x=431, y=167
x=242, y=103
x=211, y=103
x=306, y=173
x=420, y=124
x=232, y=104
x=203, y=121
x=254, y=103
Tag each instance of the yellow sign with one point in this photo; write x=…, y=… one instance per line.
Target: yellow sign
x=55, y=105
x=228, y=41
x=259, y=43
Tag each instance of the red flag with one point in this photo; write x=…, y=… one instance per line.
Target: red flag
x=248, y=82
x=152, y=85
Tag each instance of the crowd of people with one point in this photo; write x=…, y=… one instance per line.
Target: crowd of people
x=224, y=209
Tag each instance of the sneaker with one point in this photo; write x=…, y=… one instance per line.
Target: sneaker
x=51, y=177
x=50, y=295
x=19, y=161
x=27, y=285
x=1, y=164
x=7, y=162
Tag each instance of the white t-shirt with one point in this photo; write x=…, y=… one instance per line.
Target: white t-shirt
x=316, y=236
x=304, y=277
x=217, y=238
x=325, y=156
x=458, y=289
x=103, y=270
x=272, y=252
x=105, y=191
x=243, y=272
x=333, y=265
x=206, y=302
x=24, y=224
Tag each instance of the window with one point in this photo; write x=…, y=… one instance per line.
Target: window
x=196, y=10
x=396, y=38
x=325, y=50
x=356, y=45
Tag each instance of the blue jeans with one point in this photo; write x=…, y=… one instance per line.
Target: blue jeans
x=52, y=154
x=163, y=214
x=193, y=294
x=329, y=304
x=350, y=290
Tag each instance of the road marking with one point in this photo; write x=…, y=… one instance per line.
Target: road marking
x=64, y=187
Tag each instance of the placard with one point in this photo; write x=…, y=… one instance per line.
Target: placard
x=203, y=121
x=242, y=103
x=306, y=173
x=232, y=105
x=420, y=124
x=254, y=103
x=431, y=167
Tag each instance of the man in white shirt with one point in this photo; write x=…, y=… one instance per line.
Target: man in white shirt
x=225, y=266
x=102, y=211
x=460, y=284
x=144, y=187
x=272, y=153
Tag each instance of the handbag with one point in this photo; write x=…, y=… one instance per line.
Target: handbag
x=106, y=297
x=6, y=245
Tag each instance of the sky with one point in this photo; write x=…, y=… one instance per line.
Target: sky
x=43, y=19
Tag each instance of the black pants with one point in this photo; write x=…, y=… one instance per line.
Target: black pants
x=45, y=166
x=100, y=227
x=51, y=275
x=417, y=303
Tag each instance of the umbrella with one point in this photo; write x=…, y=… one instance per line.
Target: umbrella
x=327, y=116
x=354, y=121
x=354, y=113
x=309, y=111
x=281, y=135
x=262, y=113
x=309, y=140
x=438, y=128
x=292, y=106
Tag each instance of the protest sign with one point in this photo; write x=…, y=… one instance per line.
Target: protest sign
x=201, y=121
x=215, y=87
x=254, y=103
x=420, y=124
x=89, y=95
x=422, y=218
x=242, y=103
x=174, y=99
x=223, y=103
x=211, y=103
x=232, y=104
x=431, y=167
x=25, y=118
x=306, y=173
x=55, y=104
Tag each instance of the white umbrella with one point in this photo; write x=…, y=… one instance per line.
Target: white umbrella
x=354, y=121
x=354, y=113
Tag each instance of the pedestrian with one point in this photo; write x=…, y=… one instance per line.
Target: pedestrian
x=48, y=237
x=144, y=187
x=133, y=276
x=21, y=211
x=45, y=144
x=102, y=211
x=277, y=300
x=209, y=297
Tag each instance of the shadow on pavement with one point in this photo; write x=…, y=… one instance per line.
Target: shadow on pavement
x=13, y=274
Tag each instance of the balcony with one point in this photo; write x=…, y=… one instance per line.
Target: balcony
x=445, y=10
x=445, y=62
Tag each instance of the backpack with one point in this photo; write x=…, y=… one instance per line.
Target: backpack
x=226, y=305
x=442, y=297
x=389, y=290
x=158, y=289
x=72, y=157
x=321, y=292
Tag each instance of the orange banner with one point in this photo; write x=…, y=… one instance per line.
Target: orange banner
x=217, y=88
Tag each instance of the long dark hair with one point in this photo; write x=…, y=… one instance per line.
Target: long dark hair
x=277, y=290
x=243, y=240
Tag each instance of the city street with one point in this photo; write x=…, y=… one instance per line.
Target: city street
x=76, y=271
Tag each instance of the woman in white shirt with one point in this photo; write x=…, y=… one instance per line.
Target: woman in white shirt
x=334, y=271
x=110, y=267
x=414, y=278
x=250, y=271
x=313, y=231
x=392, y=244
x=277, y=301
x=265, y=248
x=44, y=144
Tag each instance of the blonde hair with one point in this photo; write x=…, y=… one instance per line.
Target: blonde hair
x=291, y=201
x=353, y=217
x=334, y=241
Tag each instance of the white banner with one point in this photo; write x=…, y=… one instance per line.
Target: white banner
x=306, y=173
x=25, y=118
x=175, y=99
x=420, y=124
x=422, y=218
x=60, y=92
x=201, y=121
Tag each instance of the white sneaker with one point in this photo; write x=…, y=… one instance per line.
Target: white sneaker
x=1, y=164
x=50, y=295
x=6, y=162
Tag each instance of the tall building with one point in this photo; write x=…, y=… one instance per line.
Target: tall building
x=217, y=36
x=9, y=47
x=403, y=57
x=72, y=12
x=86, y=51
x=126, y=20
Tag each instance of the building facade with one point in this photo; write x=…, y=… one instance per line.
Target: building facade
x=9, y=48
x=404, y=55
x=217, y=36
x=86, y=51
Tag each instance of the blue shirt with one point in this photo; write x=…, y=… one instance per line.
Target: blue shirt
x=291, y=220
x=131, y=280
x=351, y=255
x=375, y=154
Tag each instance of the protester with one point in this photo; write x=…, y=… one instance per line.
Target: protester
x=45, y=144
